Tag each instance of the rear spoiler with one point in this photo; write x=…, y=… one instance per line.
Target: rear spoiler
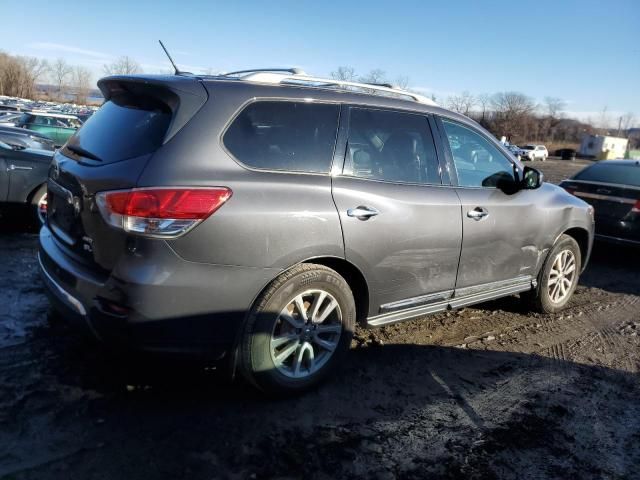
x=184, y=96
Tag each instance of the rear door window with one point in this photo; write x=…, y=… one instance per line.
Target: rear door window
x=126, y=126
x=284, y=135
x=612, y=173
x=391, y=146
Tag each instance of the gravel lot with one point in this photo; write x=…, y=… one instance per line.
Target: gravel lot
x=487, y=392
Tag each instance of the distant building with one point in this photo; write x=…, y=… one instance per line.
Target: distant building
x=603, y=147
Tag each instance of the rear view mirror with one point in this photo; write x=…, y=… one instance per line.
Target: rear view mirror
x=531, y=178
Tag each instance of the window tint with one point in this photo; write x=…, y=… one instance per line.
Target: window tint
x=392, y=146
x=478, y=162
x=291, y=136
x=612, y=173
x=124, y=127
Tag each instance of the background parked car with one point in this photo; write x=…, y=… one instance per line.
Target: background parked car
x=534, y=152
x=21, y=138
x=517, y=151
x=613, y=188
x=58, y=126
x=566, y=153
x=23, y=172
x=9, y=118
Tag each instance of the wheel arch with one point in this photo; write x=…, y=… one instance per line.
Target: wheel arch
x=34, y=191
x=354, y=278
x=352, y=275
x=581, y=236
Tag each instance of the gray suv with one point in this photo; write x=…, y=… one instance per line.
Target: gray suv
x=256, y=217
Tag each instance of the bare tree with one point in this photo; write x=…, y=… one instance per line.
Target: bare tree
x=374, y=76
x=462, y=103
x=554, y=106
x=122, y=66
x=402, y=82
x=60, y=70
x=513, y=114
x=344, y=73
x=604, y=122
x=18, y=75
x=626, y=121
x=82, y=78
x=483, y=101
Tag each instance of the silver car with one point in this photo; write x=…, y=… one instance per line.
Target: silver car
x=258, y=217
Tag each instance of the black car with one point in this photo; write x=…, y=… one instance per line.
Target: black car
x=613, y=188
x=24, y=164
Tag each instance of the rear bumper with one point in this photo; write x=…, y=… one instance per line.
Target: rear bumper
x=620, y=231
x=153, y=301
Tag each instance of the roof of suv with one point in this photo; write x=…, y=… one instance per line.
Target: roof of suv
x=327, y=90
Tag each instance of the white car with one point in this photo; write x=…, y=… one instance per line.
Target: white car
x=534, y=152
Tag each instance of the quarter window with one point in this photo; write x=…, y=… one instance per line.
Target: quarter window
x=289, y=136
x=478, y=162
x=391, y=146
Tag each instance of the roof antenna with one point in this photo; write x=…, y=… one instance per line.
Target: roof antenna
x=177, y=72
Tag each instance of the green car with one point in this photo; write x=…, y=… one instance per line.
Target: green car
x=57, y=126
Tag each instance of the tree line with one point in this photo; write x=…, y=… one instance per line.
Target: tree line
x=514, y=115
x=20, y=75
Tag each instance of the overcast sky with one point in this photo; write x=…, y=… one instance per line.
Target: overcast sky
x=585, y=52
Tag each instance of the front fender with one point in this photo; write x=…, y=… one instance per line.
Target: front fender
x=566, y=213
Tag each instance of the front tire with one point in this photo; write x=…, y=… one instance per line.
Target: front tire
x=558, y=277
x=298, y=331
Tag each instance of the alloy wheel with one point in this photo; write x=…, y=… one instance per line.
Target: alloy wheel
x=306, y=333
x=562, y=276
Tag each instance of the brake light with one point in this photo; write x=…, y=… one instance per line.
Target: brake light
x=569, y=189
x=160, y=212
x=636, y=207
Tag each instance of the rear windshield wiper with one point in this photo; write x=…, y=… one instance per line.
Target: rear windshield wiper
x=84, y=153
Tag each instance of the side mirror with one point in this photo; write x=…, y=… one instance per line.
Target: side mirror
x=531, y=178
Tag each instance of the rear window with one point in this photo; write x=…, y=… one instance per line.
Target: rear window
x=289, y=136
x=612, y=173
x=124, y=127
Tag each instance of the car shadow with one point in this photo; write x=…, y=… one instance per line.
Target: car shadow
x=615, y=268
x=408, y=410
x=17, y=219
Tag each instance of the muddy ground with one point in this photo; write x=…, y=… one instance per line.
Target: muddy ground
x=487, y=392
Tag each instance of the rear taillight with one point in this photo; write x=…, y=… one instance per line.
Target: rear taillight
x=570, y=189
x=636, y=207
x=160, y=212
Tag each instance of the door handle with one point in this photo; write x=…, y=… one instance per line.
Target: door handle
x=362, y=213
x=478, y=213
x=18, y=167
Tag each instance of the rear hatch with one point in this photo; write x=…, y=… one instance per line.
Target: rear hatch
x=109, y=152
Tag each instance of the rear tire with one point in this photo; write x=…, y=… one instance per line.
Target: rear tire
x=558, y=277
x=298, y=330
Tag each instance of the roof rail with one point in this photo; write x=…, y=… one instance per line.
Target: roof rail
x=293, y=71
x=295, y=76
